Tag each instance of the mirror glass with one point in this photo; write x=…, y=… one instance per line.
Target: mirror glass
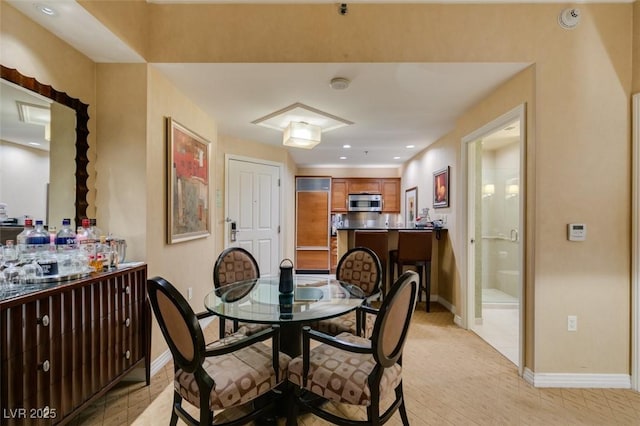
x=79, y=165
x=37, y=156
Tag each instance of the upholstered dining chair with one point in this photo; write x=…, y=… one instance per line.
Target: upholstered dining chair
x=235, y=264
x=360, y=267
x=376, y=240
x=349, y=369
x=224, y=374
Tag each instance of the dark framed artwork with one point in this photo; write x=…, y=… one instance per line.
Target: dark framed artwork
x=441, y=188
x=187, y=184
x=410, y=205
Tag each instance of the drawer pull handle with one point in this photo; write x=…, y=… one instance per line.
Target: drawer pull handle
x=45, y=366
x=127, y=322
x=44, y=321
x=127, y=354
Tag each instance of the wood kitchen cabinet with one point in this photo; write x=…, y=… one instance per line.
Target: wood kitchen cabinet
x=388, y=187
x=390, y=195
x=363, y=186
x=66, y=344
x=339, y=194
x=312, y=224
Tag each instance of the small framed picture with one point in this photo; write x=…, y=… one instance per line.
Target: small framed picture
x=188, y=184
x=441, y=188
x=410, y=205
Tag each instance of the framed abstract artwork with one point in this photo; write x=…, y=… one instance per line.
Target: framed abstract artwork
x=410, y=205
x=187, y=184
x=441, y=188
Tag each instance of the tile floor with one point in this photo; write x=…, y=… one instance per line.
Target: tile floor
x=500, y=323
x=451, y=377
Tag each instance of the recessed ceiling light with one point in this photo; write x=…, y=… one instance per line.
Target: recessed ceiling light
x=343, y=158
x=34, y=143
x=396, y=158
x=346, y=146
x=411, y=146
x=47, y=10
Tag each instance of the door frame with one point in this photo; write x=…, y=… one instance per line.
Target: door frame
x=225, y=223
x=635, y=244
x=468, y=214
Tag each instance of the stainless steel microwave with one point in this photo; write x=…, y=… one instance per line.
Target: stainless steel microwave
x=365, y=203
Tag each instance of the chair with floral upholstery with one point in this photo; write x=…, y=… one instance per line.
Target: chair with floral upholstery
x=353, y=370
x=360, y=267
x=218, y=376
x=236, y=264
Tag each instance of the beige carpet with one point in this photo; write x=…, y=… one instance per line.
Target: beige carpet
x=451, y=377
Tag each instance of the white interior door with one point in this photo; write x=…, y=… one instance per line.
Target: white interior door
x=253, y=210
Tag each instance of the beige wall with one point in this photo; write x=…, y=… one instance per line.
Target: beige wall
x=578, y=133
x=186, y=264
x=121, y=92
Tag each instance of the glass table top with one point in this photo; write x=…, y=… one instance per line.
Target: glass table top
x=260, y=300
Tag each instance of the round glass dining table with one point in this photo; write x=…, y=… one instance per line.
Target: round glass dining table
x=260, y=301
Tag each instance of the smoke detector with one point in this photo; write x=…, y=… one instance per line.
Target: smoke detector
x=569, y=18
x=339, y=83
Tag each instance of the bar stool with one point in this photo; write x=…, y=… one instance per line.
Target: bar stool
x=414, y=249
x=376, y=241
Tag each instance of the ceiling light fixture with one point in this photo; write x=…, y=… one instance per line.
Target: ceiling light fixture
x=299, y=134
x=410, y=146
x=339, y=83
x=396, y=158
x=346, y=146
x=343, y=158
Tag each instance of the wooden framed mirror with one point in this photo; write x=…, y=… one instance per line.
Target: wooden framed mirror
x=82, y=131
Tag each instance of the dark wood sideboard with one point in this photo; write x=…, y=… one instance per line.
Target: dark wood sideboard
x=64, y=346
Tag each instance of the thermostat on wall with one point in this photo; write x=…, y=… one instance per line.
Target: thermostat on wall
x=577, y=231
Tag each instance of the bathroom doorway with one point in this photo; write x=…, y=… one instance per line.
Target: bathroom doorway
x=494, y=206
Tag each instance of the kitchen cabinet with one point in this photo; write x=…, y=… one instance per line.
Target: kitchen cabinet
x=390, y=195
x=363, y=186
x=312, y=224
x=64, y=346
x=339, y=194
x=388, y=187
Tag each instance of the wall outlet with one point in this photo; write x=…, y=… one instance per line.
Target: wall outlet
x=572, y=323
x=189, y=293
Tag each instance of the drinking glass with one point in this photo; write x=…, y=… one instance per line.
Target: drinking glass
x=32, y=271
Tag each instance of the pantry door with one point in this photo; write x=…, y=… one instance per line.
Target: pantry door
x=253, y=210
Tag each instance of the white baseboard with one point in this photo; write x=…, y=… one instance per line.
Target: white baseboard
x=158, y=363
x=569, y=380
x=443, y=302
x=457, y=319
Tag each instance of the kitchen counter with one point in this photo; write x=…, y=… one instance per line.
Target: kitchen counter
x=391, y=229
x=375, y=228
x=440, y=276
